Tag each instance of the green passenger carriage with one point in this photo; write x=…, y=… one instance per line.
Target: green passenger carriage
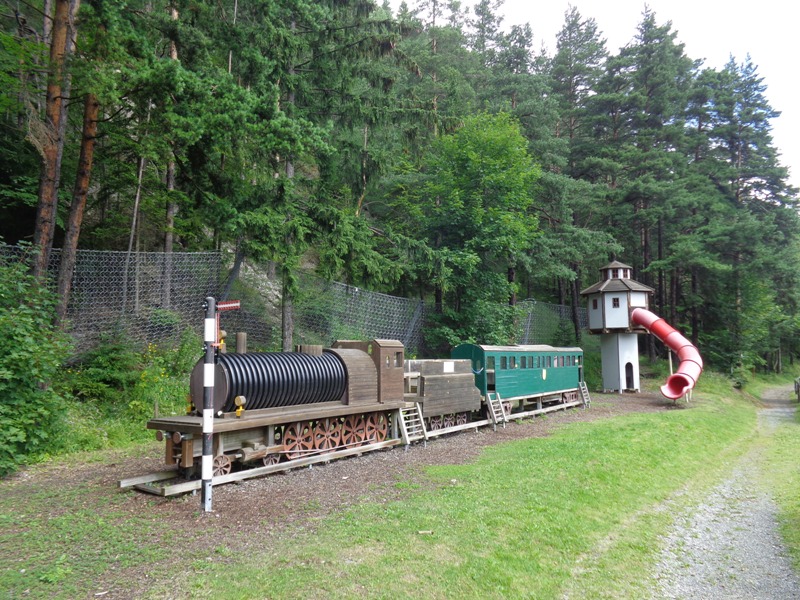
x=521, y=373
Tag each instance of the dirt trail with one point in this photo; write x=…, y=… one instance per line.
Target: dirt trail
x=728, y=547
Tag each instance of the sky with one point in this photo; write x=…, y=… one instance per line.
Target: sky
x=711, y=30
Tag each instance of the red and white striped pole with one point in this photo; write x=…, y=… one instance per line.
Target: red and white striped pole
x=210, y=342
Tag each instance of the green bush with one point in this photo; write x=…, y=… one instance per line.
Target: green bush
x=114, y=388
x=31, y=412
x=162, y=385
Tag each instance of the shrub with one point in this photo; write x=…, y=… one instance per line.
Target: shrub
x=30, y=410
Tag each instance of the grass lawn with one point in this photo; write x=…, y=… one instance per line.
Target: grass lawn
x=577, y=515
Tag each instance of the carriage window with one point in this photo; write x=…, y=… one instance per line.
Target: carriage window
x=503, y=362
x=490, y=362
x=524, y=361
x=398, y=359
x=548, y=362
x=561, y=361
x=513, y=362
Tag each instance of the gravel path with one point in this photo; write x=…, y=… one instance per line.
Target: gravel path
x=728, y=547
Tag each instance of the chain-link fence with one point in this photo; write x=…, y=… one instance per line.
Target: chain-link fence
x=154, y=297
x=546, y=323
x=323, y=311
x=146, y=296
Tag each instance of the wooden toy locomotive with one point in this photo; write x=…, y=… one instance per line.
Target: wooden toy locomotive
x=275, y=411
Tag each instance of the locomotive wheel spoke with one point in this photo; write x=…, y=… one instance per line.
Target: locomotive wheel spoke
x=353, y=430
x=435, y=423
x=298, y=439
x=271, y=459
x=222, y=465
x=327, y=435
x=507, y=408
x=377, y=427
x=448, y=421
x=462, y=418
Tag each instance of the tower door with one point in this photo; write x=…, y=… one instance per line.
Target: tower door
x=629, y=385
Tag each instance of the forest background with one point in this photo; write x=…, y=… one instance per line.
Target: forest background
x=426, y=154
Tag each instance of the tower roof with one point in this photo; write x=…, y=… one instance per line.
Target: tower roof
x=615, y=265
x=617, y=285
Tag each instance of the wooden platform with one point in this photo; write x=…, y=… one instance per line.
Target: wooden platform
x=262, y=418
x=154, y=483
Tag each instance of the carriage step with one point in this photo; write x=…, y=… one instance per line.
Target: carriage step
x=412, y=427
x=585, y=394
x=496, y=411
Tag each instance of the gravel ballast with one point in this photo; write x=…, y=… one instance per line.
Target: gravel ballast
x=728, y=547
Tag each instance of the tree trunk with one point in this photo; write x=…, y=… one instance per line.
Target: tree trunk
x=576, y=302
x=512, y=280
x=172, y=206
x=169, y=229
x=287, y=302
x=287, y=316
x=662, y=288
x=91, y=109
x=51, y=142
x=134, y=224
x=694, y=312
x=236, y=269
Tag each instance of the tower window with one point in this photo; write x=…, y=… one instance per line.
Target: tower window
x=594, y=304
x=615, y=303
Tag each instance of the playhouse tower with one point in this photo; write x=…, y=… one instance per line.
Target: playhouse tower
x=610, y=302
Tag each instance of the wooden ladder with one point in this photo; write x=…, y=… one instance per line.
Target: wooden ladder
x=496, y=411
x=585, y=394
x=412, y=427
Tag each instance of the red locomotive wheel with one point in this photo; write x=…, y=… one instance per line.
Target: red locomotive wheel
x=354, y=430
x=449, y=421
x=298, y=439
x=222, y=465
x=377, y=427
x=507, y=408
x=327, y=435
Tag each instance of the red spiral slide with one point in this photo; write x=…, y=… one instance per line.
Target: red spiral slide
x=691, y=364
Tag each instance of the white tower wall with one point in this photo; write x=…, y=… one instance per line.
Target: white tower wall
x=620, y=357
x=616, y=310
x=596, y=312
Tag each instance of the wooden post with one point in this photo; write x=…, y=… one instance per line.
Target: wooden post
x=241, y=342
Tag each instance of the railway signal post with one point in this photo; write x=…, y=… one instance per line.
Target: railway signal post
x=211, y=344
x=209, y=341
